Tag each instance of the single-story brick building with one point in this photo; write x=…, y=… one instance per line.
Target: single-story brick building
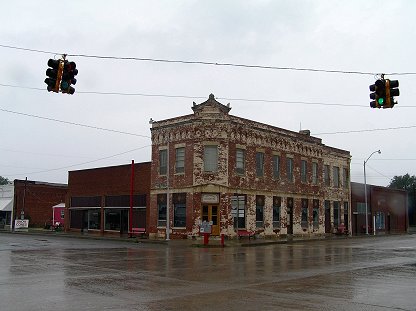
x=34, y=200
x=386, y=209
x=98, y=199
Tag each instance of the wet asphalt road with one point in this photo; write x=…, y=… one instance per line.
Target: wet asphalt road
x=61, y=273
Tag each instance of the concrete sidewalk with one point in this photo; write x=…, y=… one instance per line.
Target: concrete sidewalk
x=214, y=242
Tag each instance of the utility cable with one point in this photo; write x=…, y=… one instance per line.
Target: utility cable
x=368, y=130
x=160, y=60
x=79, y=164
x=73, y=123
x=145, y=136
x=204, y=97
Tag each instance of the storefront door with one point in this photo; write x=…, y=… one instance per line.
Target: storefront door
x=210, y=213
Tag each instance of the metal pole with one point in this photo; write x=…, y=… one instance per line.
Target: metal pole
x=131, y=199
x=167, y=195
x=238, y=212
x=366, y=206
x=22, y=213
x=365, y=192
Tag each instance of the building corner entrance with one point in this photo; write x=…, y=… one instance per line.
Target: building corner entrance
x=210, y=215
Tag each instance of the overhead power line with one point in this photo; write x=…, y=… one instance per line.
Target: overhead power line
x=204, y=97
x=192, y=62
x=78, y=164
x=73, y=123
x=367, y=130
x=145, y=136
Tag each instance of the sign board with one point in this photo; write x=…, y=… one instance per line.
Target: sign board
x=205, y=227
x=21, y=223
x=210, y=198
x=240, y=213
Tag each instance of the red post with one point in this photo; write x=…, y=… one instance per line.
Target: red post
x=131, y=199
x=206, y=238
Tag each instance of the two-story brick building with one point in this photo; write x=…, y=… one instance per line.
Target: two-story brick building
x=209, y=164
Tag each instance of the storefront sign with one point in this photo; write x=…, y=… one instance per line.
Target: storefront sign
x=210, y=198
x=205, y=227
x=21, y=223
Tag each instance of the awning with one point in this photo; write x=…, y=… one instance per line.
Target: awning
x=60, y=205
x=6, y=204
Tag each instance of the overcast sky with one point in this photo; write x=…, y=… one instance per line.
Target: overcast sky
x=361, y=36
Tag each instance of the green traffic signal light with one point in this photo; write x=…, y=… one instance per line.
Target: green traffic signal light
x=381, y=101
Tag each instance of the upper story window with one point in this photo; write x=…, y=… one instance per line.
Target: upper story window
x=211, y=158
x=259, y=164
x=314, y=173
x=326, y=175
x=289, y=169
x=335, y=172
x=180, y=160
x=163, y=162
x=276, y=166
x=345, y=177
x=240, y=160
x=303, y=171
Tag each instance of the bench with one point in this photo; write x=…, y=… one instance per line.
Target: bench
x=245, y=233
x=138, y=231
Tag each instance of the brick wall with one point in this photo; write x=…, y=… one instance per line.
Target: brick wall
x=37, y=199
x=211, y=125
x=109, y=181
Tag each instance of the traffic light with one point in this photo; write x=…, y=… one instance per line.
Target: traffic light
x=54, y=74
x=391, y=91
x=379, y=94
x=68, y=77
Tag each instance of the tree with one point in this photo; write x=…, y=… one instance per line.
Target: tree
x=405, y=182
x=4, y=181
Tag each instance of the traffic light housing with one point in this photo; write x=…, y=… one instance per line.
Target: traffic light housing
x=68, y=77
x=391, y=91
x=378, y=94
x=54, y=74
x=383, y=92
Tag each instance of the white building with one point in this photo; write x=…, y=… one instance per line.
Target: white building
x=6, y=206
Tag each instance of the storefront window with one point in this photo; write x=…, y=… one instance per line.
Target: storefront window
x=112, y=219
x=277, y=201
x=380, y=222
x=304, y=218
x=94, y=219
x=238, y=205
x=179, y=219
x=336, y=213
x=315, y=214
x=179, y=210
x=259, y=211
x=161, y=207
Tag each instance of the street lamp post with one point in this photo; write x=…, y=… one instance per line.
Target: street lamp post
x=365, y=193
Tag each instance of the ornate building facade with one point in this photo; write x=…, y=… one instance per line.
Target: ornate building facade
x=240, y=174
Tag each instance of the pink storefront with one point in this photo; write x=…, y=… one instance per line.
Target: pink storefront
x=58, y=215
